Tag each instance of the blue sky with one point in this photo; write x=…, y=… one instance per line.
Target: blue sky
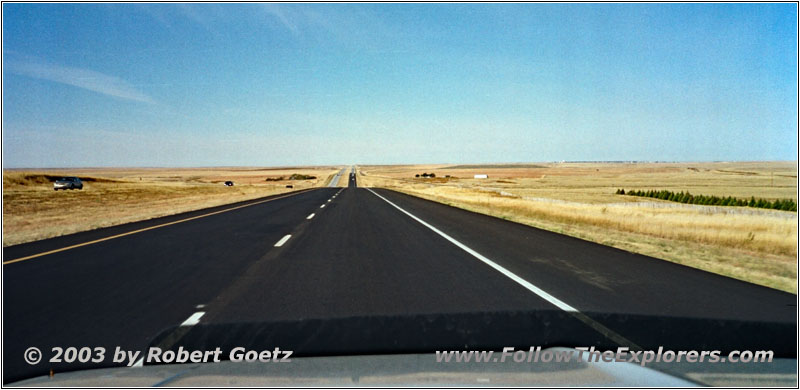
x=315, y=84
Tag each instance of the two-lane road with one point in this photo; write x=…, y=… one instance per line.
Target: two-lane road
x=124, y=291
x=336, y=253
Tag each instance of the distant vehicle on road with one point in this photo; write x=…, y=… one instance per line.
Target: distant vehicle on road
x=289, y=186
x=67, y=183
x=229, y=183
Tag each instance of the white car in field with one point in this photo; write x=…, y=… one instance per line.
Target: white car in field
x=68, y=183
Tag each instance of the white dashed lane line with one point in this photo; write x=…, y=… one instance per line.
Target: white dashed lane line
x=193, y=319
x=283, y=240
x=310, y=216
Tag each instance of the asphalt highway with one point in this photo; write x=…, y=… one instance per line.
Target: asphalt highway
x=335, y=181
x=337, y=253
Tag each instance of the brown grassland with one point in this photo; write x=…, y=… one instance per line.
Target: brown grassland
x=578, y=199
x=32, y=210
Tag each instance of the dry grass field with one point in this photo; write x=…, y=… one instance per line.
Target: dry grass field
x=111, y=196
x=344, y=180
x=578, y=199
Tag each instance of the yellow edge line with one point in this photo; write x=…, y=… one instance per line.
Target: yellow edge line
x=150, y=228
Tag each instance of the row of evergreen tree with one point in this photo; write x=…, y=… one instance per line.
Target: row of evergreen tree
x=686, y=197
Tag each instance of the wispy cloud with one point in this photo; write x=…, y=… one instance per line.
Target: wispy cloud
x=351, y=26
x=81, y=78
x=278, y=12
x=205, y=15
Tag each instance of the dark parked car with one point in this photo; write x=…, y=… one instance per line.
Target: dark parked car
x=289, y=186
x=229, y=183
x=68, y=183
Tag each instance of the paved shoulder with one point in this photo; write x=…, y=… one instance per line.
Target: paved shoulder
x=598, y=278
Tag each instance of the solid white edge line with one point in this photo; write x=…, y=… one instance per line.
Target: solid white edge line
x=283, y=240
x=602, y=329
x=536, y=290
x=193, y=319
x=310, y=216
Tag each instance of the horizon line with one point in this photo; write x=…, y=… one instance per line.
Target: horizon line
x=402, y=164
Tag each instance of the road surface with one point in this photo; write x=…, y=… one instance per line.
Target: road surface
x=335, y=181
x=340, y=253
